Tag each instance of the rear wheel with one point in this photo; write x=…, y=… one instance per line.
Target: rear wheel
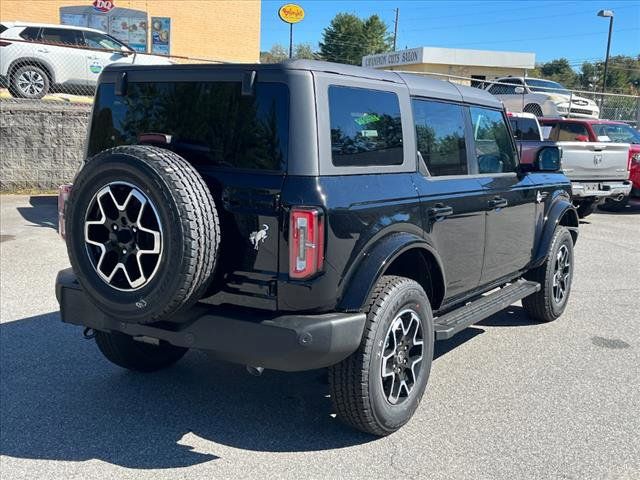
x=378, y=388
x=533, y=108
x=29, y=81
x=131, y=354
x=554, y=277
x=585, y=208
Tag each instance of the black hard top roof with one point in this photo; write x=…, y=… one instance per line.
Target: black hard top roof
x=419, y=85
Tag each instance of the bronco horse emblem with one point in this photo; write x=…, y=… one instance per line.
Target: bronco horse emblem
x=256, y=238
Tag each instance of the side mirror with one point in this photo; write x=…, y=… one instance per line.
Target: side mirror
x=548, y=159
x=519, y=90
x=582, y=138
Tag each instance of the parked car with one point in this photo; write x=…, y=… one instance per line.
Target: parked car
x=307, y=215
x=542, y=98
x=598, y=168
x=38, y=57
x=528, y=135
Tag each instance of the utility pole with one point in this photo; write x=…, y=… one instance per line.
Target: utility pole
x=395, y=29
x=606, y=60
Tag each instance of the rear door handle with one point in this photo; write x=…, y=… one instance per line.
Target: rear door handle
x=498, y=202
x=43, y=50
x=440, y=212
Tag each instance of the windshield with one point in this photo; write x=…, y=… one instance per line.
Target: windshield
x=616, y=133
x=537, y=85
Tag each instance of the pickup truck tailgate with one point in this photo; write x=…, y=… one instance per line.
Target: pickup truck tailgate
x=595, y=161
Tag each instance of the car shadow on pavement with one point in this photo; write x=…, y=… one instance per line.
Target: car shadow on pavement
x=61, y=400
x=42, y=211
x=513, y=316
x=632, y=208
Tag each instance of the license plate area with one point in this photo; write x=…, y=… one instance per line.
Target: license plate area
x=591, y=187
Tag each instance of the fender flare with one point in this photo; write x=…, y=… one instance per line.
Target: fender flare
x=374, y=263
x=560, y=209
x=17, y=63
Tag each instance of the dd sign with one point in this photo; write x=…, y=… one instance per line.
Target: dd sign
x=103, y=6
x=291, y=13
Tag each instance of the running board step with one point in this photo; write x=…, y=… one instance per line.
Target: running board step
x=453, y=322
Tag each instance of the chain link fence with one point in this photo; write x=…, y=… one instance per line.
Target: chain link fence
x=65, y=64
x=546, y=98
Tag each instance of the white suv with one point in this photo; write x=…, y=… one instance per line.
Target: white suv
x=36, y=57
x=542, y=98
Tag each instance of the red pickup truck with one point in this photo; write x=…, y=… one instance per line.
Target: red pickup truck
x=602, y=131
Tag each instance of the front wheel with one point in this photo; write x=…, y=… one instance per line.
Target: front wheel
x=554, y=276
x=378, y=388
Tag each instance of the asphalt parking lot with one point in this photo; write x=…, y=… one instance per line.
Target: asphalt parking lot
x=507, y=398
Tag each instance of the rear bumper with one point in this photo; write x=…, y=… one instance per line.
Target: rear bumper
x=601, y=190
x=287, y=343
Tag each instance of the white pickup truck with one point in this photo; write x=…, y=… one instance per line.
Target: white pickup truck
x=597, y=169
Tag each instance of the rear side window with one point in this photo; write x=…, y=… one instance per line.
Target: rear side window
x=30, y=34
x=524, y=128
x=494, y=148
x=210, y=123
x=567, y=132
x=62, y=36
x=366, y=127
x=440, y=137
x=2, y=28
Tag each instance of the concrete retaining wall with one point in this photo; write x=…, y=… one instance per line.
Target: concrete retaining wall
x=41, y=143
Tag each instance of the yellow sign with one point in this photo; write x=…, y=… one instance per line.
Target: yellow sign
x=291, y=13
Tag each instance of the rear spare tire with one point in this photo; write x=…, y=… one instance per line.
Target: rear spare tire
x=142, y=233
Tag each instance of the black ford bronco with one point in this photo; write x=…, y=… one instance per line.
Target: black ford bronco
x=307, y=215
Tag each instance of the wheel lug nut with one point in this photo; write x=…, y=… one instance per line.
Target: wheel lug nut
x=115, y=227
x=124, y=250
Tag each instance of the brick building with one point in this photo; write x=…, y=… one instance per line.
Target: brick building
x=207, y=29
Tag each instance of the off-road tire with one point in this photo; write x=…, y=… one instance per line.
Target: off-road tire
x=188, y=217
x=533, y=108
x=541, y=305
x=585, y=209
x=355, y=386
x=131, y=354
x=17, y=92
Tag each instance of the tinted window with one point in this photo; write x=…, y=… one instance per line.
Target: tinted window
x=505, y=87
x=616, y=133
x=365, y=127
x=30, y=33
x=62, y=36
x=440, y=137
x=567, y=132
x=524, y=128
x=105, y=42
x=211, y=123
x=2, y=28
x=494, y=149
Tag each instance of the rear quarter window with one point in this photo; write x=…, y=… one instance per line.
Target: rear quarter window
x=210, y=123
x=524, y=128
x=30, y=34
x=366, y=127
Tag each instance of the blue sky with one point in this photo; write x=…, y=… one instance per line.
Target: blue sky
x=550, y=29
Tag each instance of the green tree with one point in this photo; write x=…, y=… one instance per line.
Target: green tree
x=277, y=54
x=349, y=38
x=304, y=51
x=560, y=71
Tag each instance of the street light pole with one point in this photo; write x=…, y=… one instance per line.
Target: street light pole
x=607, y=13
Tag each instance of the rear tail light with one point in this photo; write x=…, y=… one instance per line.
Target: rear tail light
x=306, y=242
x=634, y=157
x=63, y=195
